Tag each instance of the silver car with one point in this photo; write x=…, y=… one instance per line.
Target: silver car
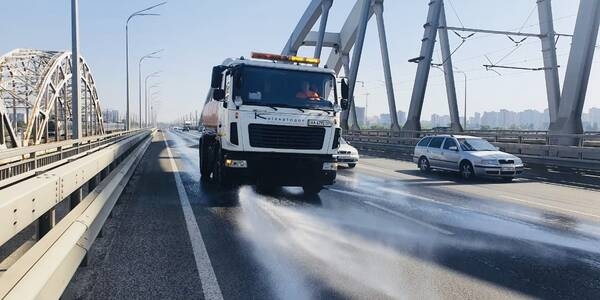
x=471, y=156
x=347, y=154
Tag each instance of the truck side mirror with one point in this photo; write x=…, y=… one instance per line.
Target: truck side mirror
x=219, y=94
x=344, y=89
x=344, y=104
x=217, y=77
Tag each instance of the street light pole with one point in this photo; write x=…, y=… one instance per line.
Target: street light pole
x=133, y=15
x=149, y=55
x=75, y=72
x=366, y=106
x=155, y=74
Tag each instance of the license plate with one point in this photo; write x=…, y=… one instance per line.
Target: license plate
x=319, y=123
x=508, y=169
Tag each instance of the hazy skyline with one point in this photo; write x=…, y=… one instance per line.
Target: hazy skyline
x=199, y=34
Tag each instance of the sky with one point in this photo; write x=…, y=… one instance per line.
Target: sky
x=198, y=34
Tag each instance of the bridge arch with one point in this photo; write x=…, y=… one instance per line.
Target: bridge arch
x=35, y=98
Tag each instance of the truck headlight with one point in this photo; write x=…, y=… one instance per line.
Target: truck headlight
x=329, y=166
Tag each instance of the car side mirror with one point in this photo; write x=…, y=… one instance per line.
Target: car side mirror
x=453, y=148
x=219, y=94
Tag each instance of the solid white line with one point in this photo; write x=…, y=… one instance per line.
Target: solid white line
x=549, y=206
x=393, y=212
x=208, y=279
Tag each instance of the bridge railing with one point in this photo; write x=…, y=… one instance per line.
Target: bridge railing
x=533, y=146
x=19, y=163
x=88, y=187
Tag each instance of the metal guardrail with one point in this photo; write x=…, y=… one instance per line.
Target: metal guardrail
x=17, y=164
x=527, y=145
x=45, y=269
x=537, y=137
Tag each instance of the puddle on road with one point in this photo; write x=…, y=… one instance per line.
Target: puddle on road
x=303, y=245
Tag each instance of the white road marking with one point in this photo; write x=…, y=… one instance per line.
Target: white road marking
x=393, y=212
x=549, y=206
x=208, y=279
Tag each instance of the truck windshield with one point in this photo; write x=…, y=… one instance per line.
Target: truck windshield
x=284, y=88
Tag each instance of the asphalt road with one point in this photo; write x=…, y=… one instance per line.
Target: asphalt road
x=383, y=231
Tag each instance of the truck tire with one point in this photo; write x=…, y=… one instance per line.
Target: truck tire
x=219, y=177
x=205, y=164
x=312, y=189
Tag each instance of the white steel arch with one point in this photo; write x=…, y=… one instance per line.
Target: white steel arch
x=35, y=98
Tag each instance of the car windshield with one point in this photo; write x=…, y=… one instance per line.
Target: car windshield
x=476, y=145
x=284, y=88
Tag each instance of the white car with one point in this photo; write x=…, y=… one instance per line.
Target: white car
x=347, y=154
x=471, y=156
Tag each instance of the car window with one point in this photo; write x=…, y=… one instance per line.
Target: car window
x=476, y=144
x=436, y=142
x=424, y=142
x=449, y=143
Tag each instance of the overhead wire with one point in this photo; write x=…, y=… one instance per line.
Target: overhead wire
x=456, y=14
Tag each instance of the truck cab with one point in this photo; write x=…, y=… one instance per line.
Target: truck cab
x=271, y=123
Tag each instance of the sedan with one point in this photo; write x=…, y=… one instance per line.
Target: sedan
x=347, y=154
x=468, y=155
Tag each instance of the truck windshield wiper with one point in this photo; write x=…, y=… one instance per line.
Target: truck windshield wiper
x=289, y=106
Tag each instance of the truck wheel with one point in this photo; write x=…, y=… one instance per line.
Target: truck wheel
x=218, y=174
x=205, y=167
x=312, y=189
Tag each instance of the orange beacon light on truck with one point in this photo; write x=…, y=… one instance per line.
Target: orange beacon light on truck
x=277, y=57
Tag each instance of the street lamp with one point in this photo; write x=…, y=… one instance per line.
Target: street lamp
x=153, y=114
x=147, y=56
x=155, y=74
x=138, y=13
x=151, y=95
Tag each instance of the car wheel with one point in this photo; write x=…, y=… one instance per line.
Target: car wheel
x=507, y=179
x=466, y=170
x=351, y=166
x=424, y=165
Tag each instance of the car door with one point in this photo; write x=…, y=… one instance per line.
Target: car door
x=450, y=154
x=434, y=152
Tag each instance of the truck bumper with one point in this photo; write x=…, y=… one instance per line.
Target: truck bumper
x=284, y=169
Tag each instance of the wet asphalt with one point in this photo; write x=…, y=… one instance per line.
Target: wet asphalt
x=383, y=231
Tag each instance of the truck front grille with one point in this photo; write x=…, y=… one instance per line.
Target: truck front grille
x=286, y=137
